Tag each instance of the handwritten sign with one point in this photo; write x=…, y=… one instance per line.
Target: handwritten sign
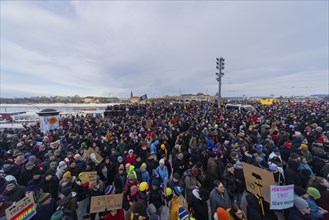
x=105, y=203
x=24, y=209
x=88, y=177
x=94, y=156
x=282, y=197
x=265, y=178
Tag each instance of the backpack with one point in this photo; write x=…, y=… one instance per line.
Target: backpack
x=58, y=215
x=185, y=174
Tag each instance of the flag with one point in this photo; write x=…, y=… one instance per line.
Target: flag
x=266, y=101
x=143, y=97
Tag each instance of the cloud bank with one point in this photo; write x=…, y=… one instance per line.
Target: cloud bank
x=163, y=48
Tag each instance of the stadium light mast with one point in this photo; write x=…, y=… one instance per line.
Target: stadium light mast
x=220, y=67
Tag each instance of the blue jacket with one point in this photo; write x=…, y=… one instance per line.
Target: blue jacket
x=143, y=176
x=307, y=167
x=153, y=147
x=163, y=172
x=315, y=214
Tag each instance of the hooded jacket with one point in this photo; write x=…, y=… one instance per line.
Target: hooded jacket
x=291, y=173
x=199, y=204
x=15, y=194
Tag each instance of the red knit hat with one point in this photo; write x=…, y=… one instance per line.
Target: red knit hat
x=287, y=144
x=222, y=214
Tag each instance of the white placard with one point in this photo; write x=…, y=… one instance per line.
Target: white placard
x=282, y=197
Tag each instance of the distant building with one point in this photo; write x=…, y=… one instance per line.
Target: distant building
x=134, y=99
x=90, y=100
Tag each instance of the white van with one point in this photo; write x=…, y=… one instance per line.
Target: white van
x=240, y=107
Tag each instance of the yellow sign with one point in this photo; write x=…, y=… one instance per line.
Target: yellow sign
x=105, y=203
x=266, y=101
x=89, y=177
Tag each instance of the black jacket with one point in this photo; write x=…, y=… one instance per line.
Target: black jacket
x=199, y=206
x=295, y=214
x=15, y=194
x=50, y=186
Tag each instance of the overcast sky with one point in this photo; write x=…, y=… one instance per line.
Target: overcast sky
x=163, y=48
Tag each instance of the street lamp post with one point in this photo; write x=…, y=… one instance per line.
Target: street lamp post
x=220, y=67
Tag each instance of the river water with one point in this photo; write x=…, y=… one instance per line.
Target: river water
x=63, y=108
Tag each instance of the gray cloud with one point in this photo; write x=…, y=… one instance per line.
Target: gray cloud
x=160, y=48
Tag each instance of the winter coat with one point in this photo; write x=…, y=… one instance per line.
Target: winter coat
x=119, y=182
x=15, y=194
x=50, y=186
x=69, y=205
x=153, y=147
x=323, y=201
x=81, y=191
x=291, y=174
x=253, y=208
x=191, y=183
x=143, y=176
x=118, y=216
x=315, y=214
x=175, y=204
x=212, y=170
x=163, y=172
x=295, y=214
x=218, y=199
x=45, y=212
x=131, y=159
x=178, y=166
x=25, y=176
x=3, y=208
x=156, y=198
x=200, y=207
x=151, y=165
x=229, y=182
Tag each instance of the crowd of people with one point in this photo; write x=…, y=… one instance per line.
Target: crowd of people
x=174, y=160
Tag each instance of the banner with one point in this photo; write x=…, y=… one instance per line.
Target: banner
x=89, y=177
x=266, y=101
x=143, y=97
x=265, y=179
x=105, y=203
x=48, y=123
x=282, y=197
x=24, y=209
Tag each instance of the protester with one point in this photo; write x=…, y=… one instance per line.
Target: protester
x=171, y=144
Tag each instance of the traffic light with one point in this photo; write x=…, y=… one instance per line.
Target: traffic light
x=221, y=63
x=217, y=63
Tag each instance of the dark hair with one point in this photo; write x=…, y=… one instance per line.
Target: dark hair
x=234, y=209
x=217, y=183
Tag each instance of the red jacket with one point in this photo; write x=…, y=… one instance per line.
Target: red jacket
x=118, y=216
x=131, y=159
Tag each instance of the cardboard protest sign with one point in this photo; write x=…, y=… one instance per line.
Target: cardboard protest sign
x=88, y=177
x=282, y=197
x=24, y=209
x=148, y=123
x=105, y=203
x=94, y=156
x=266, y=179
